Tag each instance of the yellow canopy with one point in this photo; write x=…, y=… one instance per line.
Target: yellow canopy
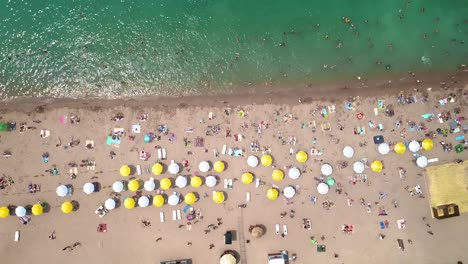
x=134, y=185
x=125, y=170
x=400, y=148
x=165, y=183
x=272, y=194
x=67, y=207
x=4, y=212
x=37, y=209
x=219, y=166
x=158, y=200
x=376, y=166
x=267, y=160
x=427, y=144
x=129, y=203
x=196, y=181
x=247, y=178
x=190, y=198
x=218, y=197
x=301, y=156
x=157, y=169
x=277, y=175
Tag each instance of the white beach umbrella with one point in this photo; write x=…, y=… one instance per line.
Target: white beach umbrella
x=348, y=152
x=210, y=181
x=289, y=192
x=414, y=146
x=326, y=169
x=322, y=188
x=358, y=167
x=143, y=201
x=110, y=204
x=204, y=166
x=118, y=186
x=62, y=191
x=384, y=148
x=88, y=188
x=421, y=161
x=173, y=168
x=181, y=181
x=294, y=173
x=173, y=200
x=252, y=161
x=20, y=211
x=149, y=185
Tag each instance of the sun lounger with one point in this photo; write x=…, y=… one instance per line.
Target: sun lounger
x=136, y=128
x=161, y=217
x=224, y=150
x=174, y=215
x=159, y=154
x=210, y=116
x=45, y=133
x=247, y=197
x=179, y=216
x=277, y=229
x=17, y=235
x=138, y=168
x=285, y=230
x=376, y=111
x=164, y=154
x=257, y=183
x=215, y=153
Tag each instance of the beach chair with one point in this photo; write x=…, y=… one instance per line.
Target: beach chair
x=210, y=116
x=277, y=228
x=432, y=160
x=45, y=133
x=161, y=217
x=138, y=168
x=164, y=154
x=224, y=150
x=257, y=183
x=159, y=153
x=174, y=215
x=376, y=112
x=285, y=230
x=215, y=153
x=247, y=197
x=136, y=128
x=17, y=235
x=179, y=216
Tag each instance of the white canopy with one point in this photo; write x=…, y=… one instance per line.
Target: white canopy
x=88, y=188
x=181, y=181
x=384, y=148
x=204, y=166
x=110, y=204
x=348, y=152
x=173, y=168
x=210, y=181
x=414, y=146
x=118, y=186
x=289, y=192
x=20, y=211
x=358, y=167
x=62, y=191
x=294, y=173
x=322, y=188
x=421, y=161
x=252, y=161
x=173, y=200
x=149, y=185
x=326, y=169
x=143, y=201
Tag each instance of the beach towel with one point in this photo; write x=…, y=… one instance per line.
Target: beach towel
x=380, y=104
x=136, y=128
x=382, y=225
x=277, y=229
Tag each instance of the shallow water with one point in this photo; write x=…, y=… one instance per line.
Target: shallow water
x=84, y=47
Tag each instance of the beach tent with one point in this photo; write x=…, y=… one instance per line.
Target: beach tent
x=322, y=188
x=62, y=191
x=118, y=186
x=421, y=162
x=272, y=194
x=427, y=144
x=211, y=181
x=219, y=166
x=330, y=181
x=301, y=156
x=294, y=173
x=358, y=167
x=400, y=148
x=181, y=181
x=110, y=204
x=414, y=146
x=173, y=200
x=204, y=166
x=173, y=168
x=165, y=183
x=348, y=152
x=252, y=161
x=289, y=192
x=196, y=181
x=3, y=126
x=158, y=200
x=190, y=198
x=143, y=201
x=67, y=207
x=125, y=170
x=218, y=197
x=149, y=185
x=247, y=178
x=37, y=209
x=157, y=169
x=134, y=185
x=88, y=188
x=376, y=166
x=20, y=211
x=227, y=259
x=4, y=212
x=129, y=203
x=277, y=175
x=384, y=149
x=326, y=169
x=267, y=160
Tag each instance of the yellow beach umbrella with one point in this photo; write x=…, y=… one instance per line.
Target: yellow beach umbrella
x=219, y=166
x=267, y=160
x=129, y=203
x=37, y=209
x=400, y=148
x=134, y=185
x=4, y=212
x=158, y=200
x=125, y=170
x=247, y=178
x=301, y=156
x=272, y=194
x=190, y=198
x=218, y=197
x=67, y=207
x=157, y=169
x=196, y=181
x=165, y=183
x=376, y=166
x=277, y=175
x=427, y=144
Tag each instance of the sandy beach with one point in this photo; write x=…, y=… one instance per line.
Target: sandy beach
x=281, y=124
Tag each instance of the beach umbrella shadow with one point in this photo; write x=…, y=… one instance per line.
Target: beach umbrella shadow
x=76, y=205
x=97, y=186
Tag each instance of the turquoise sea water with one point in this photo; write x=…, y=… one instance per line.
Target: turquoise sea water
x=74, y=48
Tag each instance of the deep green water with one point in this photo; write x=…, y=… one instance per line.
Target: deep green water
x=136, y=47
